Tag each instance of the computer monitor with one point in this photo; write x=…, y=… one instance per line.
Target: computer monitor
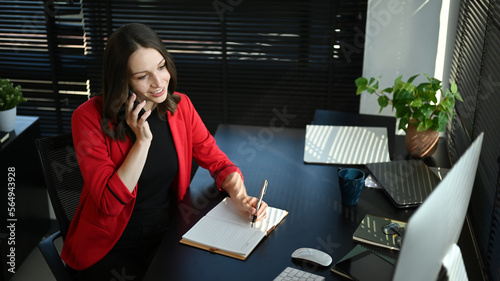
x=435, y=227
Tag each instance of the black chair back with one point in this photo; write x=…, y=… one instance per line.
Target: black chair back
x=63, y=178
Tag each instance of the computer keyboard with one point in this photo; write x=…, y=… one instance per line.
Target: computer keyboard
x=291, y=273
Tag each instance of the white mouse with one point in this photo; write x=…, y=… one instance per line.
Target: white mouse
x=312, y=255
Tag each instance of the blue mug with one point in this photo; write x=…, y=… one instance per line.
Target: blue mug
x=351, y=181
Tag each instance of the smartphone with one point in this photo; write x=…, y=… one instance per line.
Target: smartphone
x=121, y=111
x=136, y=102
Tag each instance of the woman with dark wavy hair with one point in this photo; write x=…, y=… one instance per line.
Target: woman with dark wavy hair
x=135, y=142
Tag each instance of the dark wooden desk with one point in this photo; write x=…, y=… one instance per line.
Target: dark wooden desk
x=309, y=192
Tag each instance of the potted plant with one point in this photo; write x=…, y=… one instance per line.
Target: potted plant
x=10, y=97
x=420, y=113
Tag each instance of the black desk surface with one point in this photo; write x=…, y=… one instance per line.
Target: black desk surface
x=309, y=192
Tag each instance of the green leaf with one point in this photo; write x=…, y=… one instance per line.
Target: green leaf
x=458, y=96
x=454, y=88
x=448, y=94
x=434, y=126
x=417, y=114
x=427, y=110
x=398, y=79
x=403, y=96
x=412, y=78
x=451, y=105
x=434, y=81
x=360, y=90
x=388, y=90
x=421, y=127
x=403, y=122
x=425, y=125
x=409, y=87
x=361, y=84
x=422, y=86
x=443, y=120
x=383, y=101
x=448, y=104
x=402, y=110
x=434, y=98
x=429, y=95
x=371, y=81
x=361, y=81
x=398, y=86
x=416, y=103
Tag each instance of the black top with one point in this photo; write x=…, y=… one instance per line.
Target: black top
x=154, y=191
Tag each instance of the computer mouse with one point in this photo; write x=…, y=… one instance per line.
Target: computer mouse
x=312, y=255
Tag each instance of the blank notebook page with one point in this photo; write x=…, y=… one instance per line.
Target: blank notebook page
x=226, y=228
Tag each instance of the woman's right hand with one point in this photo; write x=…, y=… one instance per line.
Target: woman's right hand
x=139, y=126
x=131, y=168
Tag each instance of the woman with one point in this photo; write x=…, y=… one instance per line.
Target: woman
x=136, y=161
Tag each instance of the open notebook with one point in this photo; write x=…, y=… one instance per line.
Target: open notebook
x=227, y=231
x=346, y=145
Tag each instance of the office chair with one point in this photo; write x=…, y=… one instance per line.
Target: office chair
x=64, y=184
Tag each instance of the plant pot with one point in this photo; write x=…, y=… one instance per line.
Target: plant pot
x=8, y=119
x=421, y=144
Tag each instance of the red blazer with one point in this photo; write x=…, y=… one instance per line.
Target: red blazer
x=105, y=203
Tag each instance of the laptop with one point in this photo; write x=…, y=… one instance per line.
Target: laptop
x=345, y=145
x=406, y=182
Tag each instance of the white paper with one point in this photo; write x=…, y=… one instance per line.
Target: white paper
x=226, y=228
x=223, y=235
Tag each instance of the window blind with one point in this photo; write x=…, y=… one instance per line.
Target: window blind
x=42, y=49
x=241, y=62
x=476, y=70
x=247, y=62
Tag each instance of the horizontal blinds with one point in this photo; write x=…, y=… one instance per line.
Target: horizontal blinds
x=488, y=120
x=466, y=63
x=277, y=61
x=245, y=62
x=476, y=69
x=242, y=62
x=41, y=49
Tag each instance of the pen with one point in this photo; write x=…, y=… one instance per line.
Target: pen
x=261, y=195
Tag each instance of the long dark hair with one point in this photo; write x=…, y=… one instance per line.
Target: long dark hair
x=115, y=73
